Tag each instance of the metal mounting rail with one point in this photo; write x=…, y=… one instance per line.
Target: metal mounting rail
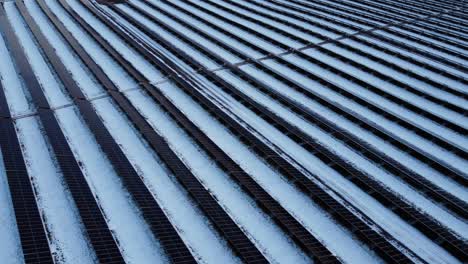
x=151, y=211
x=421, y=221
x=97, y=230
x=207, y=202
x=311, y=187
x=434, y=162
x=32, y=231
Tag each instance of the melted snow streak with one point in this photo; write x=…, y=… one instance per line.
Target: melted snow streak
x=257, y=131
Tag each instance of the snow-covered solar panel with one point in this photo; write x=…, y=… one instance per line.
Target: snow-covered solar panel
x=254, y=131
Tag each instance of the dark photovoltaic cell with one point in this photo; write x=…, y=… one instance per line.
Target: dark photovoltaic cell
x=98, y=232
x=150, y=209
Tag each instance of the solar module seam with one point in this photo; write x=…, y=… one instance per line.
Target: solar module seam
x=148, y=206
x=385, y=29
x=414, y=9
x=88, y=208
x=382, y=20
x=31, y=227
x=361, y=32
x=233, y=234
x=376, y=107
x=387, y=250
x=419, y=220
x=424, y=156
x=394, y=15
x=417, y=181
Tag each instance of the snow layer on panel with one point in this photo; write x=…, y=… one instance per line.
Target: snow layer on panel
x=418, y=243
x=204, y=60
x=188, y=220
x=424, y=47
x=269, y=21
x=388, y=87
x=314, y=17
x=410, y=162
x=429, y=38
x=143, y=38
x=66, y=234
x=236, y=31
x=68, y=241
x=403, y=134
x=396, y=185
x=338, y=240
x=292, y=20
x=207, y=29
x=186, y=32
x=259, y=227
x=335, y=11
x=17, y=103
x=121, y=213
x=438, y=64
x=374, y=99
x=414, y=68
x=255, y=26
